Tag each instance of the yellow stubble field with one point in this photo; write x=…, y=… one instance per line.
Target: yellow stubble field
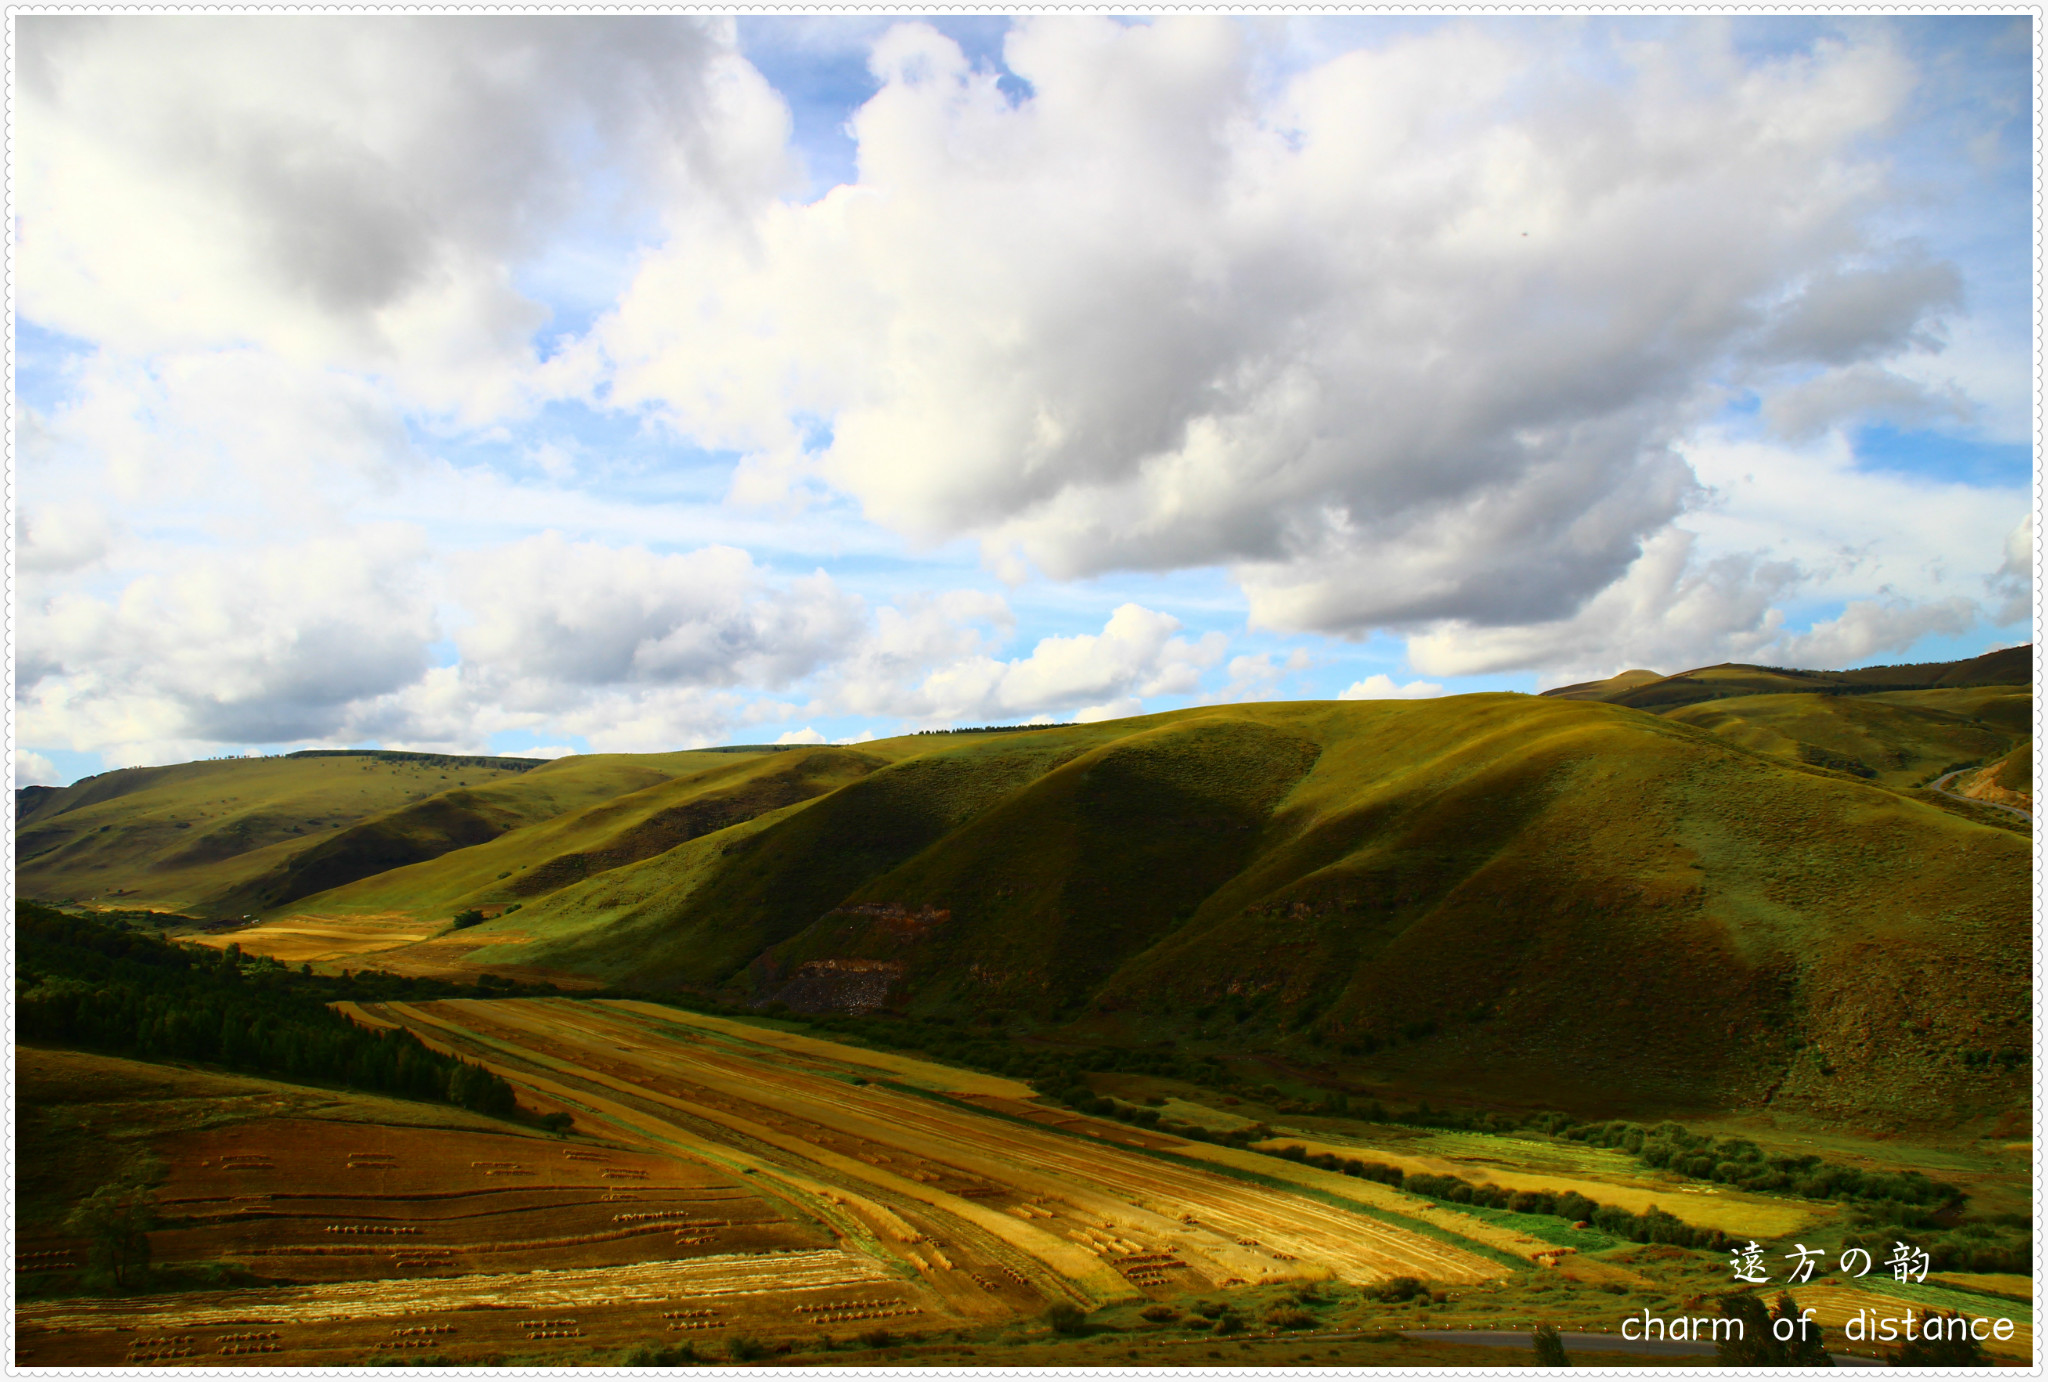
x=1075, y=1218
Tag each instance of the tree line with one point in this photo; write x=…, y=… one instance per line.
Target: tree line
x=81, y=982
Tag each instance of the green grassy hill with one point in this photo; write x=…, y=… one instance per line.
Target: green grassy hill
x=179, y=836
x=713, y=792
x=1487, y=890
x=2005, y=667
x=1898, y=738
x=235, y=836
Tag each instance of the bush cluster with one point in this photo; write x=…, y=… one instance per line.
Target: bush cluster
x=1906, y=1198
x=1902, y=1197
x=1651, y=1226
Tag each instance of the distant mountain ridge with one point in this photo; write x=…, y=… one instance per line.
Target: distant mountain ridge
x=1647, y=690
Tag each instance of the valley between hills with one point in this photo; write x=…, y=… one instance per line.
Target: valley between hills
x=1299, y=1032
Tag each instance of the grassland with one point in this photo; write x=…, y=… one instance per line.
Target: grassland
x=1901, y=739
x=232, y=836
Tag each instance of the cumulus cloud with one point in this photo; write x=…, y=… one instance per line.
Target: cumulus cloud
x=1676, y=610
x=358, y=190
x=552, y=614
x=62, y=537
x=1866, y=628
x=2013, y=582
x=1407, y=339
x=34, y=770
x=1669, y=612
x=1381, y=687
x=1861, y=393
x=806, y=735
x=1093, y=676
x=260, y=646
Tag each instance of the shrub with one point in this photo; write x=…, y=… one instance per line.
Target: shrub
x=876, y=1338
x=1230, y=1323
x=1159, y=1314
x=745, y=1350
x=472, y=917
x=1211, y=1309
x=1549, y=1348
x=1066, y=1319
x=1398, y=1289
x=1288, y=1317
x=654, y=1356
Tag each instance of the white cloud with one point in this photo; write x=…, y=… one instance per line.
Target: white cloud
x=1381, y=687
x=1105, y=674
x=262, y=646
x=1866, y=628
x=1670, y=612
x=34, y=770
x=1409, y=340
x=806, y=735
x=357, y=190
x=2013, y=582
x=1677, y=609
x=1861, y=393
x=552, y=615
x=1120, y=709
x=62, y=537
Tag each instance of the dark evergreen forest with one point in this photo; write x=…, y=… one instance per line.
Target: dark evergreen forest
x=81, y=982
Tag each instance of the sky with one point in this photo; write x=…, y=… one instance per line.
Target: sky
x=542, y=384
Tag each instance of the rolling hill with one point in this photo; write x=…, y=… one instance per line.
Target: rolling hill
x=228, y=836
x=1647, y=691
x=1747, y=901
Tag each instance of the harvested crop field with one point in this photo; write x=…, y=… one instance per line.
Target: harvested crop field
x=714, y=1186
x=997, y=1213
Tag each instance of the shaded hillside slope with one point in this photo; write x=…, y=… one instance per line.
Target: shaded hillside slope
x=699, y=914
x=451, y=820
x=532, y=861
x=176, y=836
x=1487, y=888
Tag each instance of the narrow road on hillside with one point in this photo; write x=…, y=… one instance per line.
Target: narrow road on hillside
x=1940, y=784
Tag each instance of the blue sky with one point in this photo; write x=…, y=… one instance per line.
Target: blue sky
x=648, y=382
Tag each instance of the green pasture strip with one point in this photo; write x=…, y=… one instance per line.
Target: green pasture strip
x=1416, y=1226
x=1946, y=1297
x=1547, y=1227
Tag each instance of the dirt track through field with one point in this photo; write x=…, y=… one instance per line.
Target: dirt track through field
x=1083, y=1214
